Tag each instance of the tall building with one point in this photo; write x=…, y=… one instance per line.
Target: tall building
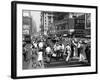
x=75, y=24
x=26, y=25
x=82, y=25
x=46, y=21
x=63, y=22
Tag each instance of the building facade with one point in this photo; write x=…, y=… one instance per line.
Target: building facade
x=46, y=21
x=60, y=23
x=81, y=25
x=64, y=23
x=26, y=25
x=74, y=24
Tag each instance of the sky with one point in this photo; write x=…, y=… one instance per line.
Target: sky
x=36, y=18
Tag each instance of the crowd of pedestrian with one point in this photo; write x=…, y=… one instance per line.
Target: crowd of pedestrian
x=44, y=49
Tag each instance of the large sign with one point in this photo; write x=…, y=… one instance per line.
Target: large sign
x=26, y=32
x=26, y=27
x=88, y=21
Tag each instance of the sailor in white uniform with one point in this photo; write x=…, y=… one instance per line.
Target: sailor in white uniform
x=48, y=50
x=68, y=49
x=40, y=45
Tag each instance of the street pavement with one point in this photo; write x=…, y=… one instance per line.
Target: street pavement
x=62, y=63
x=56, y=64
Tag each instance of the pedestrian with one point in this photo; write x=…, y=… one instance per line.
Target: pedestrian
x=58, y=49
x=40, y=45
x=34, y=57
x=82, y=52
x=48, y=50
x=55, y=47
x=40, y=59
x=48, y=53
x=68, y=51
x=75, y=51
x=24, y=54
x=62, y=49
x=34, y=45
x=88, y=52
x=72, y=49
x=40, y=54
x=62, y=46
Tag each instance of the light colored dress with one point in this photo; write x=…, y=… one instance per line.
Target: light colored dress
x=40, y=57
